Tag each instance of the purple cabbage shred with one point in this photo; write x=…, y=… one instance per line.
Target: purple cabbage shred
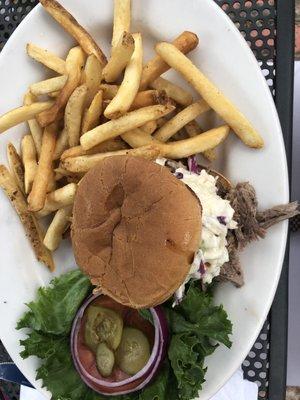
x=202, y=268
x=193, y=165
x=222, y=220
x=179, y=175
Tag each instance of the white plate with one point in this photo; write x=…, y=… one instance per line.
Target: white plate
x=225, y=57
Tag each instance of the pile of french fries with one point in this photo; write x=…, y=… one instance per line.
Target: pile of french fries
x=93, y=108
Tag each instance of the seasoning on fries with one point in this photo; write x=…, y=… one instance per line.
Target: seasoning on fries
x=29, y=222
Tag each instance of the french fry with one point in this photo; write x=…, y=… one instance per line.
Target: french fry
x=51, y=183
x=127, y=92
x=142, y=99
x=122, y=19
x=62, y=144
x=198, y=144
x=92, y=114
x=109, y=91
x=58, y=226
x=37, y=197
x=149, y=98
x=29, y=222
x=29, y=161
x=175, y=92
x=109, y=145
x=185, y=43
x=83, y=164
x=149, y=127
x=48, y=86
x=16, y=166
x=211, y=94
x=73, y=114
x=161, y=122
x=54, y=94
x=138, y=138
x=60, y=198
x=193, y=129
x=34, y=127
x=74, y=64
x=69, y=23
x=114, y=128
x=120, y=57
x=46, y=58
x=180, y=120
x=92, y=75
x=22, y=114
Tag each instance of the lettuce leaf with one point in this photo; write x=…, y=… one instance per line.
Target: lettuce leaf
x=57, y=304
x=196, y=325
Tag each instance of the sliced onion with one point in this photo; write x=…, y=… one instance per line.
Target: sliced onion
x=133, y=383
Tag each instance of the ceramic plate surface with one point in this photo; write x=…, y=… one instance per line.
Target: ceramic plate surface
x=225, y=57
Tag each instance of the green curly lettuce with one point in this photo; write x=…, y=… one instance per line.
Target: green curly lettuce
x=196, y=327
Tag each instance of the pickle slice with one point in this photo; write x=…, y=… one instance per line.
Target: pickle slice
x=134, y=351
x=105, y=360
x=102, y=325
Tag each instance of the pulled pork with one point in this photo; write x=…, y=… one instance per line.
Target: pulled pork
x=252, y=225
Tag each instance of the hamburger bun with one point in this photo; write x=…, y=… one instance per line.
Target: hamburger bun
x=135, y=230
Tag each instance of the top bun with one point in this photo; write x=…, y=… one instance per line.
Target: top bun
x=135, y=230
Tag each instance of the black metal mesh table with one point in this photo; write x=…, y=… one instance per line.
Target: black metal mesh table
x=267, y=26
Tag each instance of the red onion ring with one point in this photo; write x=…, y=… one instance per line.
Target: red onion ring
x=144, y=376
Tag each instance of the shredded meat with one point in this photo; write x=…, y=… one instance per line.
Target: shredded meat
x=252, y=225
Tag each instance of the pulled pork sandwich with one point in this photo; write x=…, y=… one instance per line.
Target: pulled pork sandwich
x=142, y=230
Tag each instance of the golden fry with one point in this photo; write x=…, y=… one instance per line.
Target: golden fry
x=211, y=94
x=92, y=114
x=46, y=58
x=29, y=222
x=48, y=86
x=74, y=64
x=34, y=127
x=120, y=57
x=193, y=129
x=114, y=128
x=138, y=138
x=83, y=164
x=92, y=76
x=121, y=103
x=37, y=197
x=62, y=144
x=122, y=19
x=175, y=92
x=109, y=91
x=60, y=198
x=109, y=145
x=22, y=114
x=180, y=120
x=16, y=166
x=149, y=127
x=149, y=98
x=29, y=158
x=58, y=226
x=73, y=114
x=185, y=43
x=69, y=23
x=198, y=144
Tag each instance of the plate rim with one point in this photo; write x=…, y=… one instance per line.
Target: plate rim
x=274, y=117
